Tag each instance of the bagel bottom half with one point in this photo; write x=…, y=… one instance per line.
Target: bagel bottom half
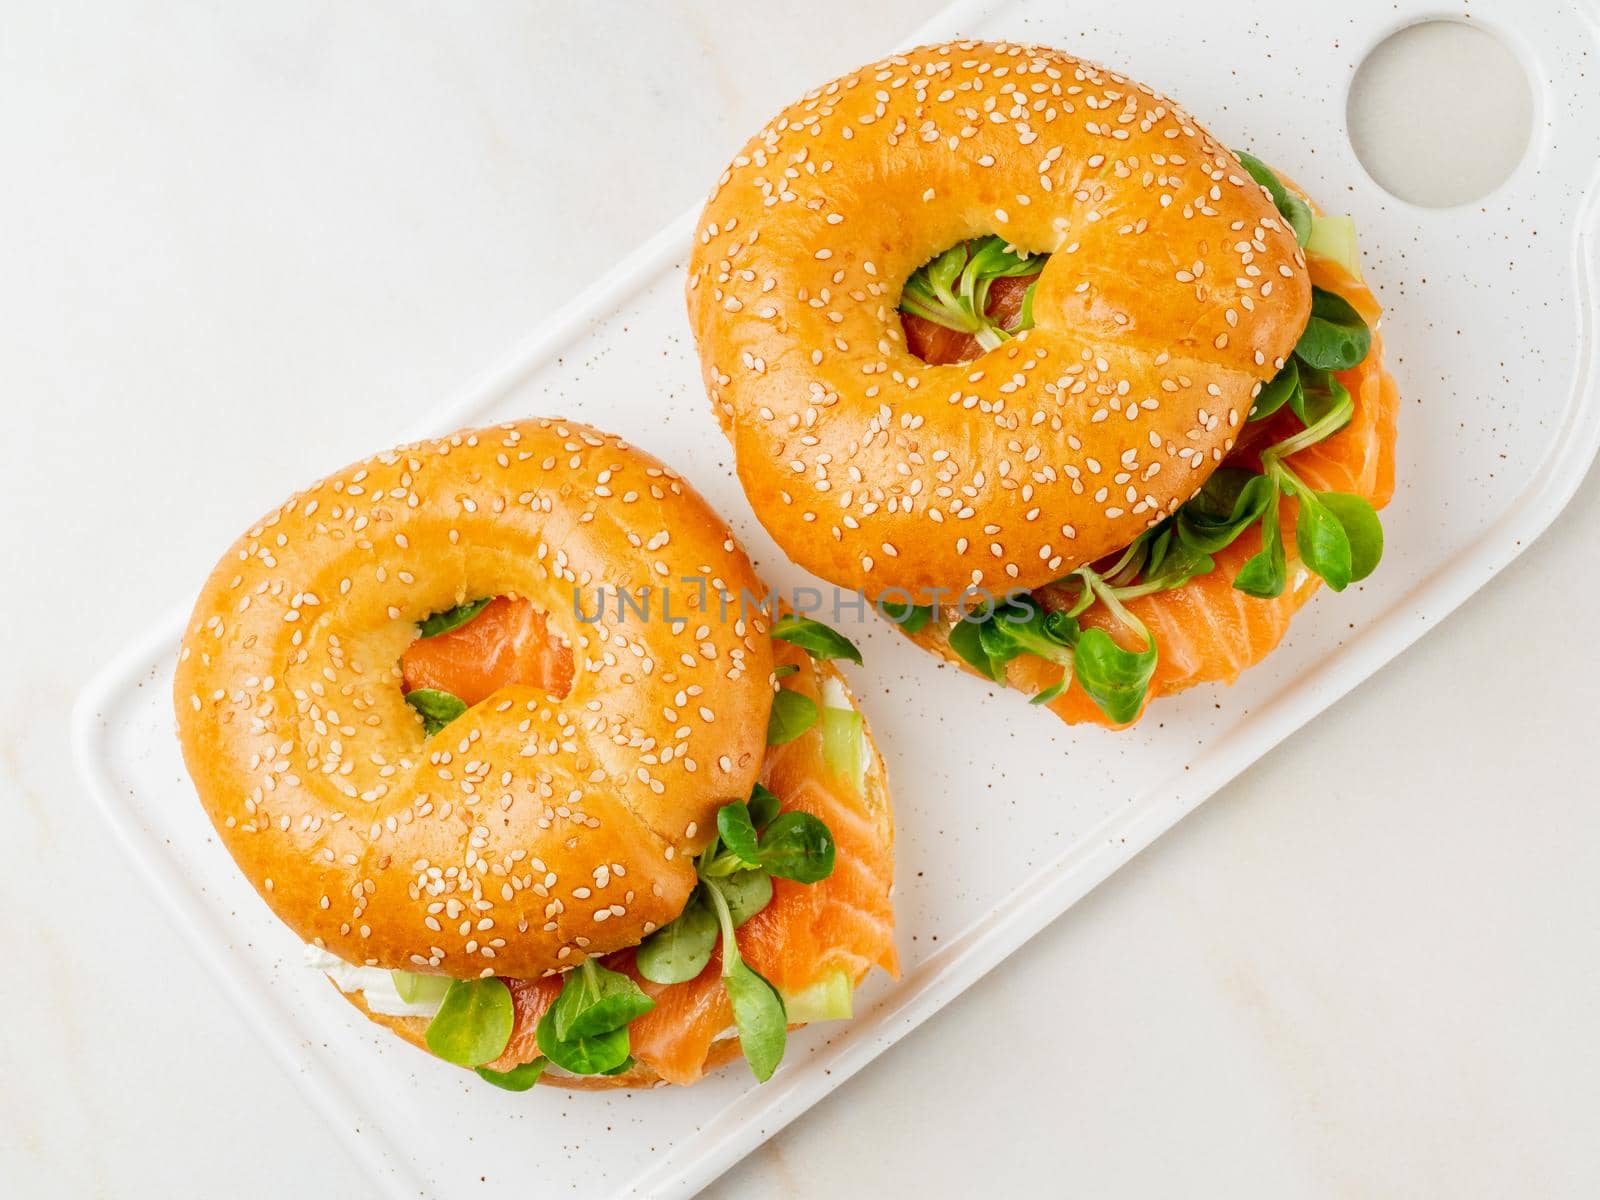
x=412, y=1029
x=842, y=923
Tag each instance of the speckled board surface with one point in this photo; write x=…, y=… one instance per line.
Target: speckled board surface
x=1005, y=817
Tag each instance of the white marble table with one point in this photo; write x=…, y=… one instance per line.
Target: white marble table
x=1370, y=967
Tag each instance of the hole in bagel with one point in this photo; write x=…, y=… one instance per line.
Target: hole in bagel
x=969, y=299
x=505, y=641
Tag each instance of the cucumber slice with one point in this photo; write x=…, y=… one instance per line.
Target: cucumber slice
x=1335, y=238
x=420, y=989
x=828, y=999
x=844, y=743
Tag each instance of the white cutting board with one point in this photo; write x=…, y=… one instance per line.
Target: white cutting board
x=1005, y=817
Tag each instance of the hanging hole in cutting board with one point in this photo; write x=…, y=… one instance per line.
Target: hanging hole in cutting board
x=1440, y=113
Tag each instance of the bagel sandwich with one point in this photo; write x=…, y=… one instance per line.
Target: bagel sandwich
x=1085, y=401
x=542, y=833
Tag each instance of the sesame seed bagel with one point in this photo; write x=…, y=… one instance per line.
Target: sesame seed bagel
x=1172, y=292
x=533, y=830
x=791, y=909
x=776, y=941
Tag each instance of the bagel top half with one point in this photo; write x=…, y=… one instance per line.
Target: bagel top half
x=534, y=830
x=1172, y=291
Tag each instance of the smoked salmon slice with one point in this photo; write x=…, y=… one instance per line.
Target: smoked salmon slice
x=807, y=932
x=508, y=641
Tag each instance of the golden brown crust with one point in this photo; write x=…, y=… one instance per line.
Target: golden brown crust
x=532, y=830
x=1173, y=289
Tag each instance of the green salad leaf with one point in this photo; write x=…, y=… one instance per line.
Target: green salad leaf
x=1116, y=679
x=816, y=639
x=1231, y=501
x=796, y=845
x=436, y=708
x=680, y=949
x=473, y=1024
x=1293, y=209
x=586, y=1030
x=792, y=714
x=598, y=1054
x=1324, y=406
x=1172, y=562
x=763, y=806
x=738, y=833
x=451, y=618
x=912, y=618
x=1023, y=627
x=596, y=1000
x=1276, y=392
x=966, y=639
x=758, y=1015
x=1054, y=690
x=519, y=1079
x=1335, y=338
x=747, y=893
x=1321, y=540
x=1266, y=573
x=1361, y=528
